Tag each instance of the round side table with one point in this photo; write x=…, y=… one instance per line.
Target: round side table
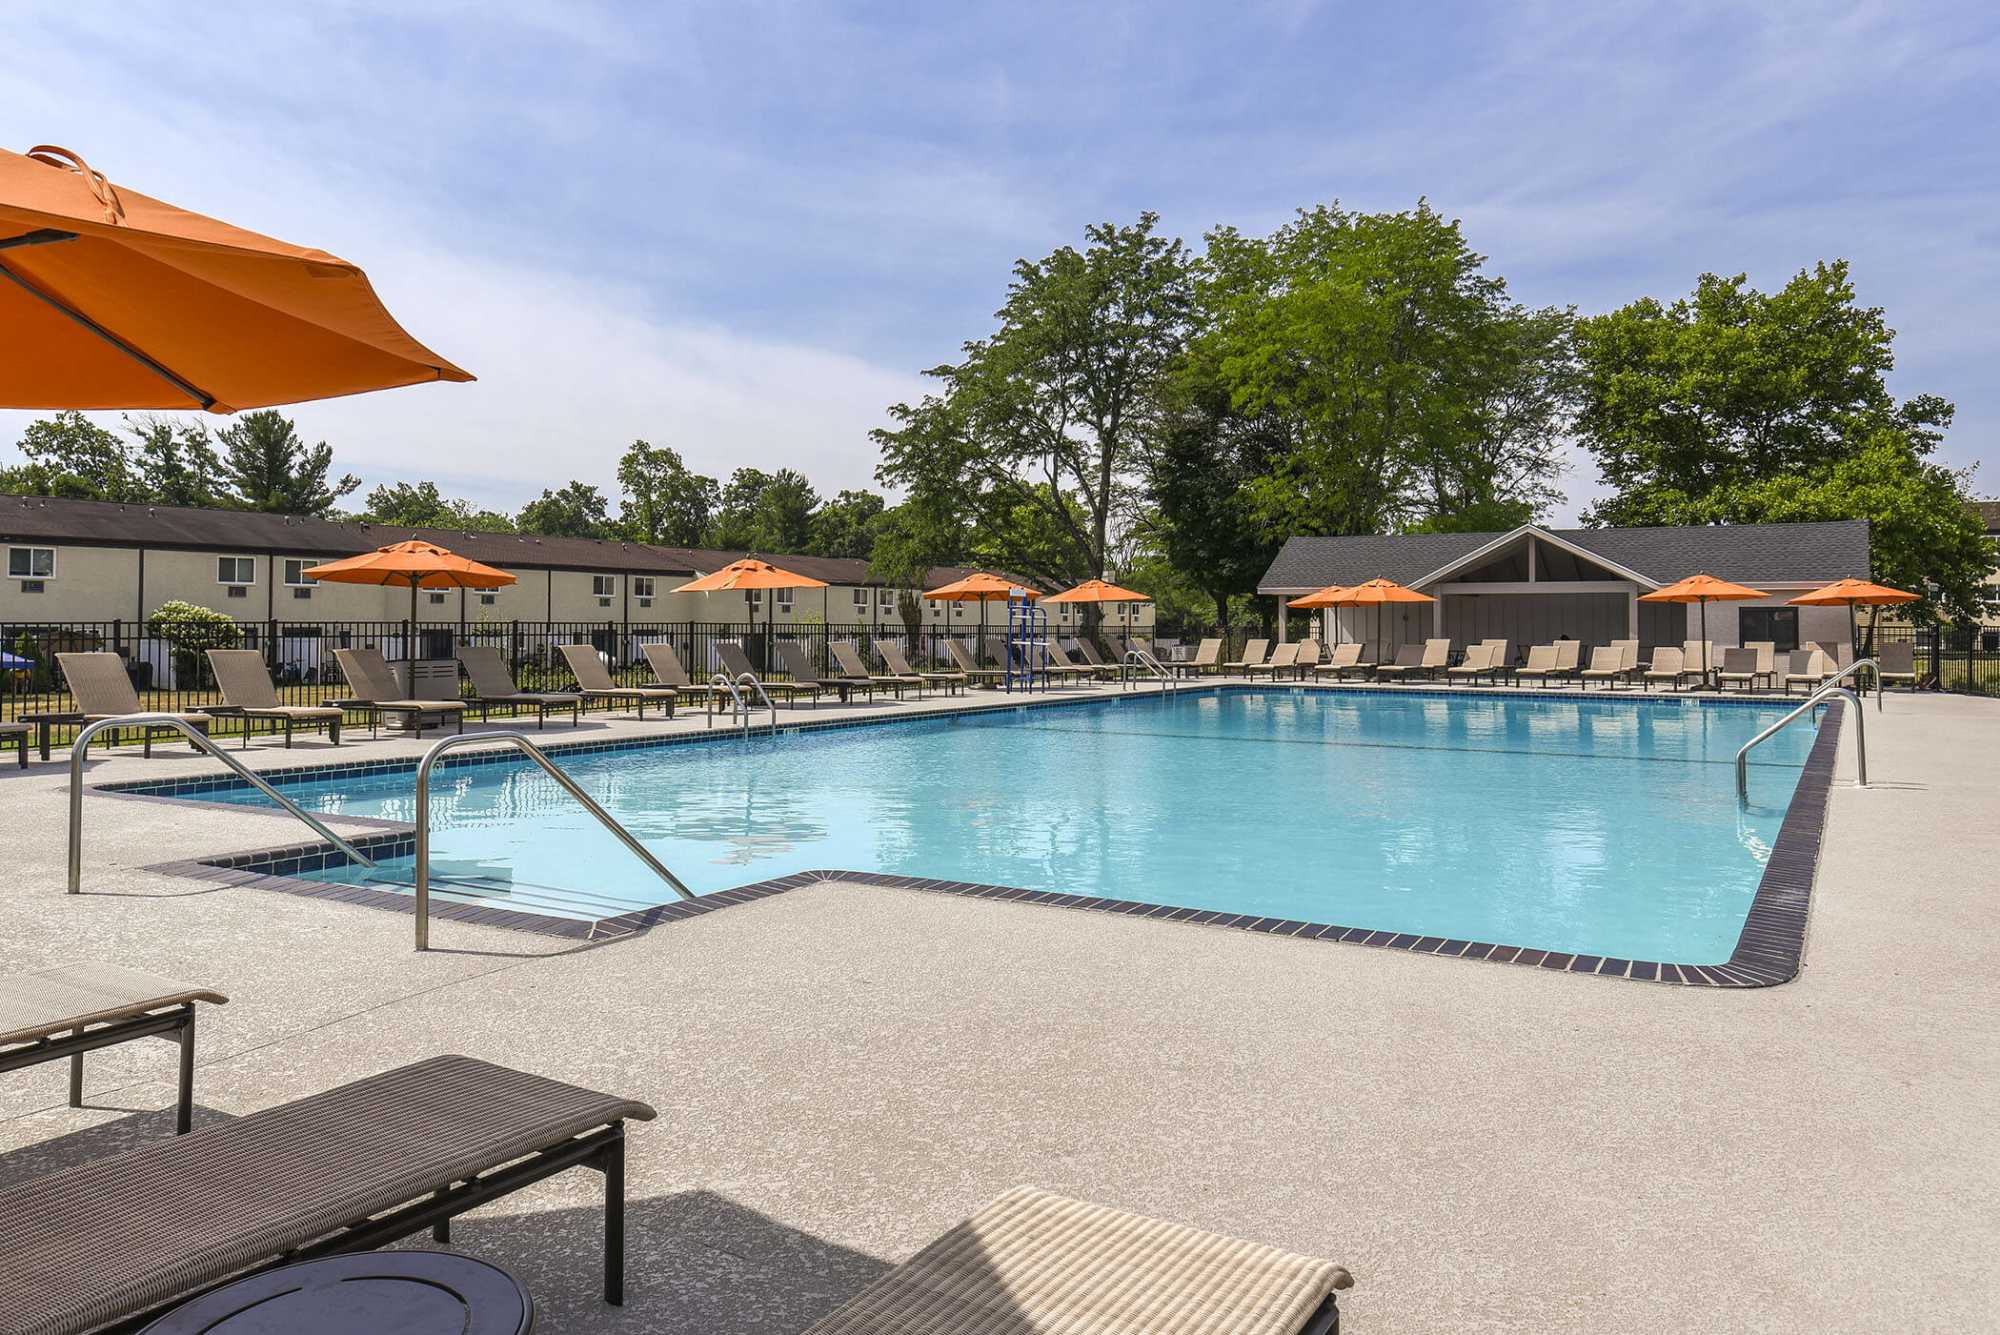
x=383, y=1293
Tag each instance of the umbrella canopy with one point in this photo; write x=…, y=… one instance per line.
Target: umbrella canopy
x=1097, y=591
x=1703, y=589
x=421, y=565
x=14, y=661
x=1853, y=593
x=749, y=573
x=112, y=299
x=1326, y=597
x=1377, y=593
x=979, y=587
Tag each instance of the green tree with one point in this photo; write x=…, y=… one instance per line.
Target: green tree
x=664, y=502
x=736, y=515
x=1409, y=385
x=70, y=455
x=578, y=510
x=267, y=466
x=1737, y=406
x=763, y=512
x=176, y=461
x=421, y=505
x=1048, y=414
x=847, y=525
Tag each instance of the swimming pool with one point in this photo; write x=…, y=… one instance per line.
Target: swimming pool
x=1600, y=826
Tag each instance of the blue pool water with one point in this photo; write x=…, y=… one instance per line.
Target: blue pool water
x=1597, y=827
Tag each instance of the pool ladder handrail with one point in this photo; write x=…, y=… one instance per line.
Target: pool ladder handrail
x=1153, y=665
x=739, y=712
x=81, y=746
x=521, y=742
x=1831, y=686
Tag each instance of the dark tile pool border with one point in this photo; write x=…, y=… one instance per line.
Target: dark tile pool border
x=1769, y=950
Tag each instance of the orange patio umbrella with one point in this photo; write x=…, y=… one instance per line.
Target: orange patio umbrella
x=1377, y=593
x=982, y=588
x=1322, y=598
x=1099, y=591
x=751, y=573
x=1703, y=589
x=113, y=299
x=1853, y=593
x=421, y=565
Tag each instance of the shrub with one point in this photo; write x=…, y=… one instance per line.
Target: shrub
x=188, y=631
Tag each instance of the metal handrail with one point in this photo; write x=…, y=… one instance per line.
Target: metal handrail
x=1812, y=701
x=739, y=712
x=81, y=745
x=520, y=741
x=763, y=695
x=1151, y=664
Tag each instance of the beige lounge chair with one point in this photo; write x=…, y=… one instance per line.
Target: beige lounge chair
x=1344, y=659
x=1308, y=660
x=1607, y=664
x=667, y=671
x=493, y=685
x=247, y=692
x=1281, y=660
x=1478, y=663
x=1739, y=669
x=736, y=666
x=1409, y=657
x=1808, y=669
x=893, y=659
x=102, y=690
x=1500, y=661
x=1541, y=664
x=1058, y=664
x=593, y=679
x=847, y=657
x=1898, y=665
x=1104, y=671
x=977, y=675
x=1207, y=658
x=1628, y=658
x=1668, y=665
x=1430, y=659
x=805, y=676
x=72, y=1009
x=1253, y=657
x=375, y=689
x=1034, y=1263
x=1692, y=657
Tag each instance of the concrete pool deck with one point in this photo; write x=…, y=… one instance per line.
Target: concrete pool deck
x=844, y=1071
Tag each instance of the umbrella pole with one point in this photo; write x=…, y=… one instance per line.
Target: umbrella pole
x=1704, y=644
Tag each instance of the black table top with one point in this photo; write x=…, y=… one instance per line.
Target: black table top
x=382, y=1293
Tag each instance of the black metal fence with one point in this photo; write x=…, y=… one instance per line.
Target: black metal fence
x=172, y=674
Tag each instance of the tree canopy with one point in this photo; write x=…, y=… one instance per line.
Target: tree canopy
x=267, y=466
x=663, y=501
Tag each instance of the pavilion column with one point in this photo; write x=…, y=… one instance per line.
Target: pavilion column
x=1632, y=613
x=1284, y=616
x=1437, y=618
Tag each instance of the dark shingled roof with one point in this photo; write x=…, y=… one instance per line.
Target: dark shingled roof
x=1741, y=552
x=1988, y=513
x=56, y=520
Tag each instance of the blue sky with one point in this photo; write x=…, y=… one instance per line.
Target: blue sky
x=742, y=229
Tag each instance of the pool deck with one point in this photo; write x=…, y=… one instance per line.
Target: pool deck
x=843, y=1071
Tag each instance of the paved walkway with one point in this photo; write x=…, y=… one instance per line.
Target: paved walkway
x=844, y=1071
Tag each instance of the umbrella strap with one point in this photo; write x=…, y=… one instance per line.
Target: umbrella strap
x=107, y=193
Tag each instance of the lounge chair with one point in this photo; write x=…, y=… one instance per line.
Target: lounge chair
x=357, y=1167
x=667, y=671
x=1253, y=657
x=1668, y=665
x=1607, y=664
x=1569, y=658
x=1057, y=664
x=848, y=659
x=376, y=691
x=102, y=690
x=1308, y=660
x=1898, y=665
x=1409, y=657
x=77, y=1008
x=1699, y=657
x=1344, y=659
x=736, y=665
x=247, y=693
x=1541, y=665
x=1034, y=1263
x=1207, y=658
x=1500, y=661
x=1628, y=658
x=1739, y=669
x=963, y=661
x=493, y=684
x=18, y=733
x=1429, y=658
x=1478, y=663
x=593, y=679
x=892, y=658
x=1281, y=660
x=1808, y=669
x=806, y=676
x=1095, y=661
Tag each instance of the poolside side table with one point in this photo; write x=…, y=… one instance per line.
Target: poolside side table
x=18, y=734
x=48, y=723
x=380, y=1293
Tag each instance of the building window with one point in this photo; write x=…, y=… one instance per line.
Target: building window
x=235, y=570
x=603, y=585
x=488, y=599
x=861, y=600
x=295, y=571
x=437, y=600
x=1779, y=625
x=642, y=586
x=31, y=562
x=755, y=597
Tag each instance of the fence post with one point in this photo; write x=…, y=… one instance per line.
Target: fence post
x=1971, y=656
